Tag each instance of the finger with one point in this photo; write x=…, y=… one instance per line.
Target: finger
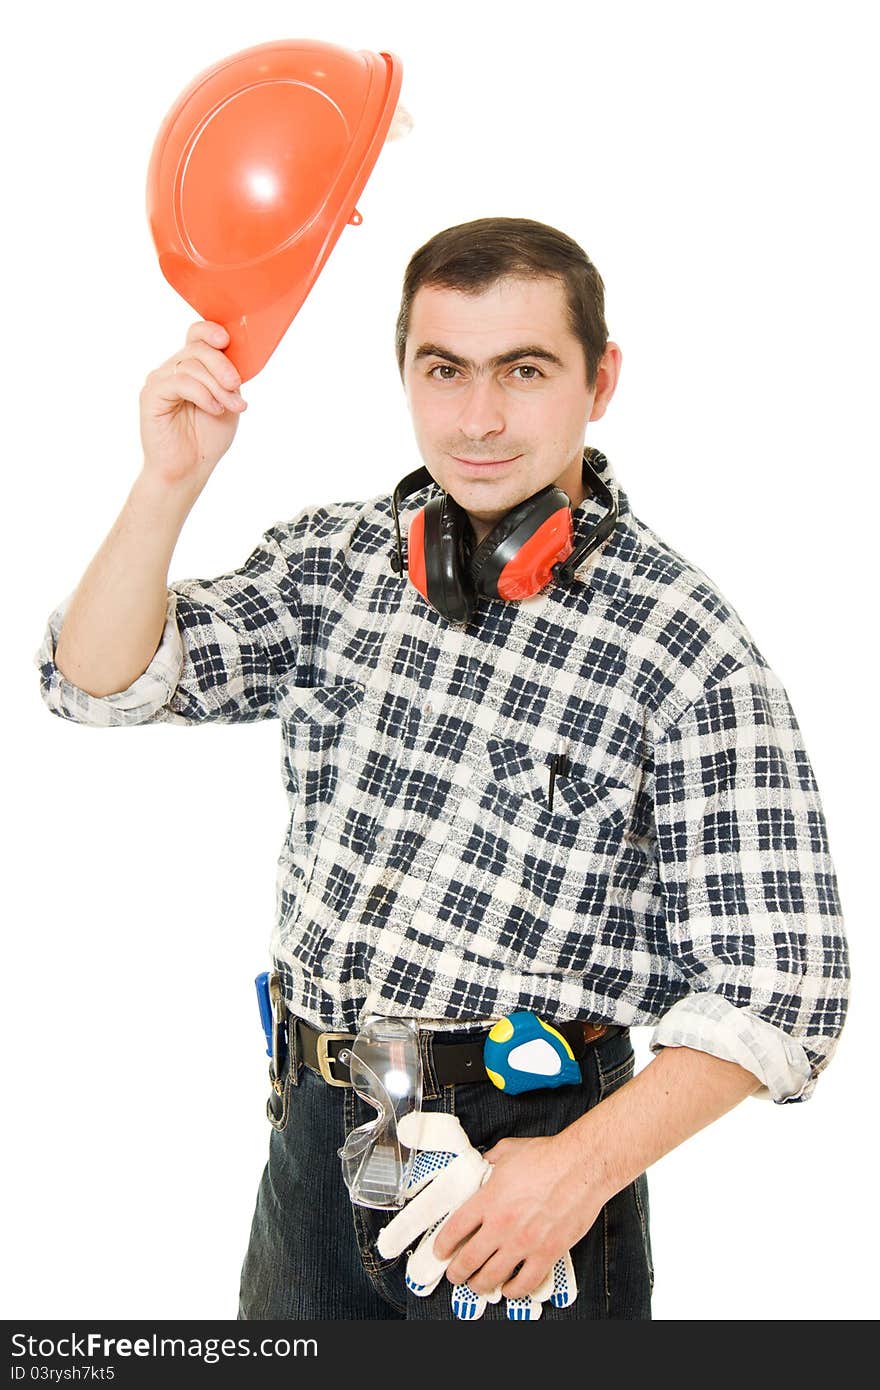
x=545, y=1288
x=473, y=1263
x=205, y=331
x=205, y=341
x=217, y=363
x=195, y=368
x=503, y=1146
x=494, y=1272
x=465, y=1220
x=530, y=1281
x=184, y=387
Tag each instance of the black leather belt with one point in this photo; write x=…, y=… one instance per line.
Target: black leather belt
x=453, y=1062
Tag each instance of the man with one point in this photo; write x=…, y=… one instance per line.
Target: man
x=591, y=803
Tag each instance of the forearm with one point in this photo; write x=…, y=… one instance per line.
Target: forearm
x=114, y=623
x=677, y=1094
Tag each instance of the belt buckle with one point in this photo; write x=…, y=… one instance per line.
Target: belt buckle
x=325, y=1061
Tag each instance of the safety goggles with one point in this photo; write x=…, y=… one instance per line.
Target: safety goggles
x=386, y=1072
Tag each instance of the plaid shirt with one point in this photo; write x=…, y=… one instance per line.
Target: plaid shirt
x=682, y=876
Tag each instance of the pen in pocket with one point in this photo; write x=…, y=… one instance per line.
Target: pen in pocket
x=558, y=768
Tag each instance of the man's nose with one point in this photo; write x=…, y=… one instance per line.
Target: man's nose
x=481, y=410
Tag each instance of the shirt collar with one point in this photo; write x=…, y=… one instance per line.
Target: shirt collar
x=591, y=509
x=606, y=570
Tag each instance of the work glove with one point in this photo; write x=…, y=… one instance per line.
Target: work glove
x=446, y=1172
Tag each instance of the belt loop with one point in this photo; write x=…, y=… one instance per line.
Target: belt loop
x=430, y=1085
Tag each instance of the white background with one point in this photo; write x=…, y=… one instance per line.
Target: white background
x=717, y=163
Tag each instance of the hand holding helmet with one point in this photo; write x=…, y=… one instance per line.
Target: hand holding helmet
x=189, y=409
x=254, y=173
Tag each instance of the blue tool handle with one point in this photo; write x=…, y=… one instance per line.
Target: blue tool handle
x=265, y=1003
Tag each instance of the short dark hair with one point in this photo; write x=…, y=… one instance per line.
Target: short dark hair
x=474, y=255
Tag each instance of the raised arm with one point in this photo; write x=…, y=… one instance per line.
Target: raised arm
x=189, y=409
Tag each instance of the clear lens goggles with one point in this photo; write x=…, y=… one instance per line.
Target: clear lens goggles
x=386, y=1071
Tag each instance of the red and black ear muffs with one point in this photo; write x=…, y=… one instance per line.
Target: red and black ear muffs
x=532, y=544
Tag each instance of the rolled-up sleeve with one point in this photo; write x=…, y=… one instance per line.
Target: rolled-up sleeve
x=750, y=893
x=225, y=644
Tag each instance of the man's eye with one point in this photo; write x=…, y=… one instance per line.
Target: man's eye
x=445, y=367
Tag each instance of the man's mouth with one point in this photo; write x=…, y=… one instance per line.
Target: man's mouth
x=485, y=463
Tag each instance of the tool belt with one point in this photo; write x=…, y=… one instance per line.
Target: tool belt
x=453, y=1062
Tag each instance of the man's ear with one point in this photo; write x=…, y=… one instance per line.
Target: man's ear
x=607, y=376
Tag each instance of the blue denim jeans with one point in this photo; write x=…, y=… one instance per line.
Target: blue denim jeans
x=312, y=1254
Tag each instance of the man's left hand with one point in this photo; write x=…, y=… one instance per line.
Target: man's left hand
x=537, y=1204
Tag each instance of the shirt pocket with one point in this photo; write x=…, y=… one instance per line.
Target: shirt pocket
x=581, y=795
x=534, y=884
x=319, y=728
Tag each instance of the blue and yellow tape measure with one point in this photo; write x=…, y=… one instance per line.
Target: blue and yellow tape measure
x=523, y=1053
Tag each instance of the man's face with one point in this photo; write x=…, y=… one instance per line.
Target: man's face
x=493, y=432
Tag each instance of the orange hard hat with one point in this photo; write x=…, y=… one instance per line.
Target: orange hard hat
x=254, y=173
